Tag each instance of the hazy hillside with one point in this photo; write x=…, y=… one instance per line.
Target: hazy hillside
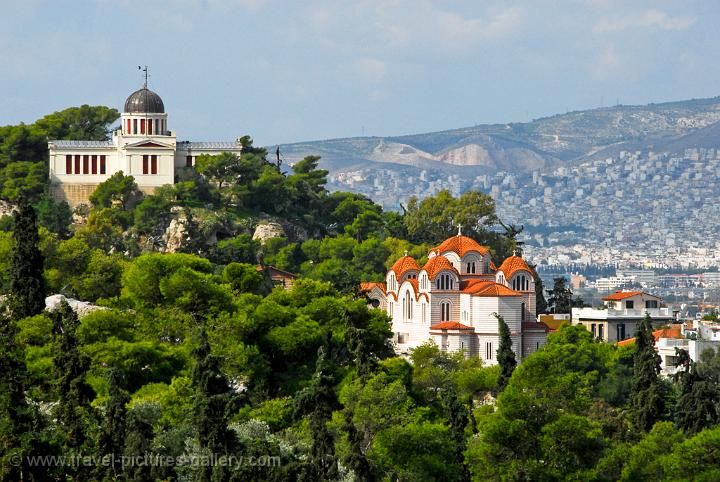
x=521, y=147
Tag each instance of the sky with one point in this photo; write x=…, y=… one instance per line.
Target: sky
x=286, y=71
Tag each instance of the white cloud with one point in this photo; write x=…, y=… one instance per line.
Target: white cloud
x=652, y=18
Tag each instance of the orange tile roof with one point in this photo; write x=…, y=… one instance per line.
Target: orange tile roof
x=460, y=245
x=451, y=325
x=513, y=264
x=673, y=331
x=437, y=264
x=406, y=263
x=368, y=286
x=621, y=295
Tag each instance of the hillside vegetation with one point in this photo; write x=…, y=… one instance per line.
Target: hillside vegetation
x=192, y=355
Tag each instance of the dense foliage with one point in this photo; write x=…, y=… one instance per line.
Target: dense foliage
x=194, y=354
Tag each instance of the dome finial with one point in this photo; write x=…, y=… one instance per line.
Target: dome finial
x=459, y=229
x=406, y=251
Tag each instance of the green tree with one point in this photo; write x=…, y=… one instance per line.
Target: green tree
x=73, y=410
x=86, y=122
x=118, y=188
x=505, y=354
x=317, y=402
x=437, y=217
x=697, y=406
x=21, y=426
x=560, y=297
x=111, y=441
x=214, y=402
x=23, y=180
x=243, y=278
x=27, y=285
x=647, y=399
x=55, y=216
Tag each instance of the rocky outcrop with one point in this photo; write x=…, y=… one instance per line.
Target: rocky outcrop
x=268, y=230
x=175, y=236
x=82, y=308
x=6, y=209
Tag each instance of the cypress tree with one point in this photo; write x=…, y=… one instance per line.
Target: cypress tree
x=356, y=459
x=317, y=401
x=21, y=426
x=505, y=354
x=457, y=415
x=647, y=398
x=214, y=402
x=138, y=438
x=112, y=431
x=27, y=285
x=696, y=407
x=73, y=411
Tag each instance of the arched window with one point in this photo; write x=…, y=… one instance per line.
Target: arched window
x=445, y=311
x=407, y=307
x=445, y=282
x=424, y=313
x=470, y=268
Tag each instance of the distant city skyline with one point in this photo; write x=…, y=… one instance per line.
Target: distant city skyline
x=292, y=71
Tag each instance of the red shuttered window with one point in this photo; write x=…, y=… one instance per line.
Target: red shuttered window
x=150, y=122
x=77, y=164
x=68, y=164
x=102, y=164
x=128, y=129
x=153, y=164
x=94, y=164
x=86, y=164
x=145, y=164
x=142, y=126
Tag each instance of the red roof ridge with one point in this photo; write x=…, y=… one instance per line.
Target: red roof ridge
x=514, y=263
x=404, y=264
x=461, y=245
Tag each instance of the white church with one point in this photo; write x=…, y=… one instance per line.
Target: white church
x=144, y=147
x=453, y=299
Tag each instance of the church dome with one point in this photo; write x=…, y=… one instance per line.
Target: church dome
x=144, y=101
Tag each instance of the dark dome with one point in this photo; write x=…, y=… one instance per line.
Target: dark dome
x=144, y=101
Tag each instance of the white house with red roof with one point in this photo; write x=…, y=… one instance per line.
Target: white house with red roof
x=453, y=300
x=621, y=314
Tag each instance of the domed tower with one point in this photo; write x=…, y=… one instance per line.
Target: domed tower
x=144, y=114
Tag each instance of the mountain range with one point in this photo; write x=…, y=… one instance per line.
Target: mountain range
x=523, y=147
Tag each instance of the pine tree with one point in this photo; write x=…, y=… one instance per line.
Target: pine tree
x=21, y=426
x=112, y=431
x=560, y=296
x=73, y=410
x=27, y=285
x=696, y=407
x=647, y=399
x=214, y=402
x=318, y=401
x=505, y=354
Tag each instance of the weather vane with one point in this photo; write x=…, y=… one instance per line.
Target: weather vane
x=145, y=70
